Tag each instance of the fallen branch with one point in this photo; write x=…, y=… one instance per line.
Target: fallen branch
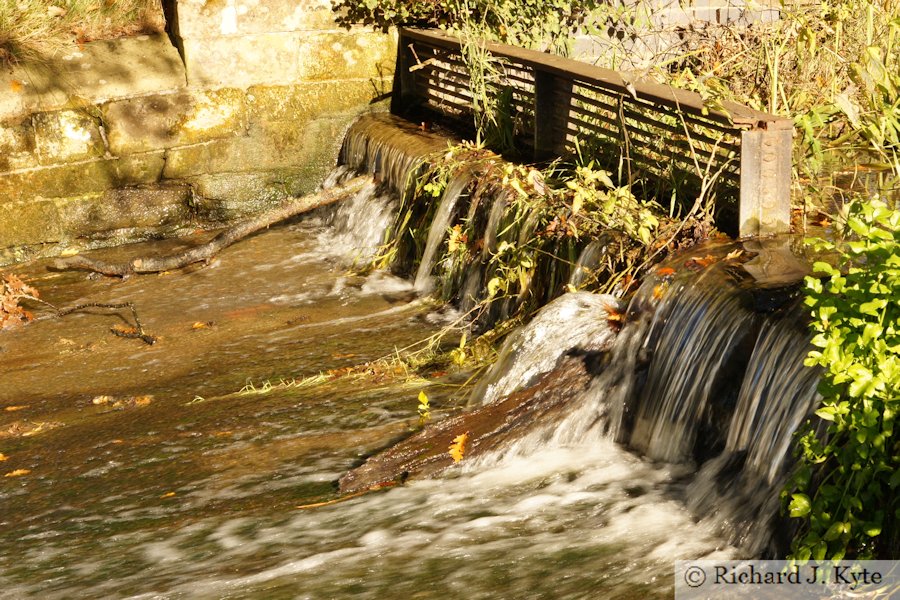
x=204, y=252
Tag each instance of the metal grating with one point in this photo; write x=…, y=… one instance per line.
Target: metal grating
x=560, y=106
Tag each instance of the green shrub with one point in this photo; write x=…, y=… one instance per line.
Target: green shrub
x=843, y=489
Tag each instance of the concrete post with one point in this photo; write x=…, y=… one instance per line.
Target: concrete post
x=765, y=199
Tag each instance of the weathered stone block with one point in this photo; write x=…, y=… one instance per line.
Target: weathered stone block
x=148, y=207
x=283, y=58
x=17, y=150
x=139, y=169
x=260, y=151
x=66, y=135
x=63, y=180
x=346, y=55
x=305, y=101
x=163, y=121
x=231, y=196
x=29, y=222
x=202, y=18
x=242, y=61
x=91, y=74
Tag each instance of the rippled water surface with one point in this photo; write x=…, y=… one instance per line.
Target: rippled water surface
x=150, y=476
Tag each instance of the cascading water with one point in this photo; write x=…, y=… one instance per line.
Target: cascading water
x=701, y=376
x=200, y=494
x=704, y=374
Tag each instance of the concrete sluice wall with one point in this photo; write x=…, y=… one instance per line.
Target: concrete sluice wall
x=121, y=140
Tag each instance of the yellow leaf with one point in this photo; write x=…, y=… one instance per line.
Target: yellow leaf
x=142, y=400
x=458, y=448
x=168, y=495
x=734, y=254
x=18, y=473
x=3, y=457
x=69, y=252
x=15, y=408
x=101, y=400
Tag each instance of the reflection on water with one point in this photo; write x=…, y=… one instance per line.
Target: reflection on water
x=177, y=487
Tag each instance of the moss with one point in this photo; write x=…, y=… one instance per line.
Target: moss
x=29, y=223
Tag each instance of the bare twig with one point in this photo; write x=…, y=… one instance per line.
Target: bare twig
x=136, y=333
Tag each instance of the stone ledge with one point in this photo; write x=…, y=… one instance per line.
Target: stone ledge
x=163, y=121
x=153, y=207
x=95, y=73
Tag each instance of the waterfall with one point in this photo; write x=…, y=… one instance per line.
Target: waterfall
x=706, y=374
x=438, y=230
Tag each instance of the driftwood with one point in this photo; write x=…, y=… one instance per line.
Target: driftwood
x=204, y=252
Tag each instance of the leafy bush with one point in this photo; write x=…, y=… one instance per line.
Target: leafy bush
x=521, y=22
x=844, y=487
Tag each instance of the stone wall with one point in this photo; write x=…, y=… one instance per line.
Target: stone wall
x=139, y=137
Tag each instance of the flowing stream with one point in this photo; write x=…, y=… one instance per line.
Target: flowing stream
x=204, y=466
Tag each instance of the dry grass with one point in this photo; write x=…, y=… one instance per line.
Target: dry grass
x=38, y=29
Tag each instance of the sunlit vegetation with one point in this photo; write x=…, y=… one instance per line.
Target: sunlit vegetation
x=844, y=488
x=39, y=29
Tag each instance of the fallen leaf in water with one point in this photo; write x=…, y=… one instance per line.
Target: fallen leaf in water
x=142, y=400
x=117, y=442
x=202, y=325
x=614, y=316
x=16, y=86
x=665, y=272
x=15, y=408
x=696, y=262
x=3, y=457
x=98, y=400
x=734, y=254
x=458, y=448
x=168, y=495
x=659, y=291
x=18, y=473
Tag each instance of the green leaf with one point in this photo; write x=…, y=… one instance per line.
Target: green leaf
x=823, y=268
x=800, y=505
x=834, y=532
x=826, y=412
x=872, y=307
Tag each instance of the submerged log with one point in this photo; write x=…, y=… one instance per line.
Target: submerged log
x=490, y=427
x=204, y=252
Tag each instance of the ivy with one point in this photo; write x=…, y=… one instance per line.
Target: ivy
x=849, y=460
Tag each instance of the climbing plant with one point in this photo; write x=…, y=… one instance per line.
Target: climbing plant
x=843, y=491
